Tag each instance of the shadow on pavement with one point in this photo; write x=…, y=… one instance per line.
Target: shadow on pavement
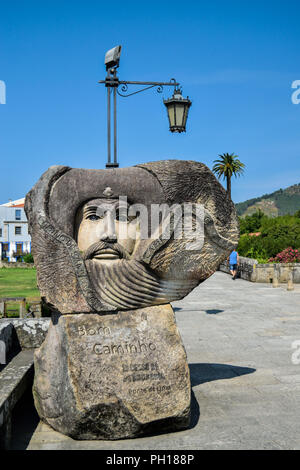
x=195, y=411
x=213, y=312
x=201, y=373
x=209, y=312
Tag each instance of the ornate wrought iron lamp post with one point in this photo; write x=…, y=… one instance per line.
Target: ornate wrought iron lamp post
x=177, y=106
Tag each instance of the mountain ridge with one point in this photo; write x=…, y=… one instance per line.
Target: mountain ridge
x=280, y=202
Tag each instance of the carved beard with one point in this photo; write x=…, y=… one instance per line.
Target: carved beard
x=129, y=284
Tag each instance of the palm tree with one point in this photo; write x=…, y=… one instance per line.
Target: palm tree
x=228, y=165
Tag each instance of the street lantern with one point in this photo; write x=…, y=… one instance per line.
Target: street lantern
x=177, y=108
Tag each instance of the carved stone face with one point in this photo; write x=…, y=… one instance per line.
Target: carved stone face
x=105, y=232
x=86, y=262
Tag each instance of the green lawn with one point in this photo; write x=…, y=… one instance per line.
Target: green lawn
x=18, y=282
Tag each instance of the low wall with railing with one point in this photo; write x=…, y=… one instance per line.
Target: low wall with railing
x=250, y=270
x=19, y=307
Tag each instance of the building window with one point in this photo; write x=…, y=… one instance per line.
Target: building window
x=18, y=231
x=18, y=214
x=0, y=232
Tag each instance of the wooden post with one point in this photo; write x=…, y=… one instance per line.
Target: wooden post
x=5, y=310
x=22, y=311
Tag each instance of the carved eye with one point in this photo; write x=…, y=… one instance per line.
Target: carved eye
x=122, y=216
x=93, y=217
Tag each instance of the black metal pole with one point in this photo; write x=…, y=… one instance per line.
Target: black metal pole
x=112, y=81
x=115, y=126
x=108, y=128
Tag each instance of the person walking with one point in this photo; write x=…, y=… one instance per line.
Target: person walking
x=233, y=259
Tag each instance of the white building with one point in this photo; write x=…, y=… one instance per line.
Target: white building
x=14, y=237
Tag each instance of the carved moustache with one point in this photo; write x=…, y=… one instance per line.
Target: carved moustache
x=105, y=250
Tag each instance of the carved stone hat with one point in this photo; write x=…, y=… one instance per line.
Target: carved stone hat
x=74, y=187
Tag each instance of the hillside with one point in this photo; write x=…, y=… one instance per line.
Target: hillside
x=281, y=202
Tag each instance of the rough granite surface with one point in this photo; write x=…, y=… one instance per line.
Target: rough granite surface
x=113, y=376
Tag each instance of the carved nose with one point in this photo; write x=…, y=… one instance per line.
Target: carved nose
x=110, y=231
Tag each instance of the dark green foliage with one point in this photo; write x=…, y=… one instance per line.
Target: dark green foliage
x=276, y=234
x=297, y=214
x=287, y=203
x=28, y=258
x=251, y=223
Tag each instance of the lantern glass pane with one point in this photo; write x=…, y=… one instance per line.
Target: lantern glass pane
x=171, y=112
x=186, y=110
x=179, y=114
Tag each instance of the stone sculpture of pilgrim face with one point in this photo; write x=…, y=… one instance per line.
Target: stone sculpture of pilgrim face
x=86, y=264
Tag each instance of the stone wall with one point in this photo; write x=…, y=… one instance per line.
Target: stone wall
x=5, y=264
x=18, y=339
x=30, y=333
x=251, y=270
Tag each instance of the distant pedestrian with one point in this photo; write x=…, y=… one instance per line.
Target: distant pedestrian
x=233, y=259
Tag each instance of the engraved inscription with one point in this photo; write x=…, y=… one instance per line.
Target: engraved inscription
x=124, y=348
x=150, y=367
x=142, y=377
x=153, y=388
x=140, y=367
x=102, y=331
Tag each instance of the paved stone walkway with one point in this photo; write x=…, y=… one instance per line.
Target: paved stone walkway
x=238, y=337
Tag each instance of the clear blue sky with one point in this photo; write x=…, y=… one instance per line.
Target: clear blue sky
x=235, y=59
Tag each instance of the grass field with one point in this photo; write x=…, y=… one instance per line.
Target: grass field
x=18, y=282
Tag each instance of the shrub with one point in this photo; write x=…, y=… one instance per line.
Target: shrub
x=289, y=255
x=28, y=258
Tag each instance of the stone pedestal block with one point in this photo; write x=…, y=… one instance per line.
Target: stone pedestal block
x=113, y=376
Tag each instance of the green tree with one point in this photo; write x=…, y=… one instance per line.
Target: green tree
x=277, y=234
x=226, y=166
x=297, y=214
x=252, y=223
